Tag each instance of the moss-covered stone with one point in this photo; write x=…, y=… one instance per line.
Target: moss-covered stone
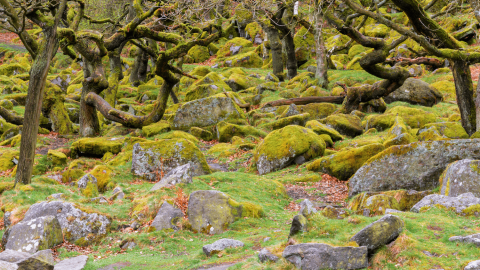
x=320, y=128
x=334, y=213
x=7, y=158
x=96, y=146
x=345, y=163
x=226, y=50
x=201, y=133
x=280, y=148
x=12, y=69
x=247, y=60
x=156, y=128
x=222, y=150
x=346, y=124
x=299, y=120
x=72, y=175
x=57, y=157
x=177, y=134
x=452, y=130
x=226, y=131
x=198, y=54
x=377, y=30
x=103, y=174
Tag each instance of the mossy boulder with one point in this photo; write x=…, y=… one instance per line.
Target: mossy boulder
x=447, y=88
x=299, y=120
x=198, y=54
x=103, y=174
x=201, y=133
x=152, y=158
x=281, y=147
x=461, y=177
x=71, y=175
x=177, y=134
x=8, y=159
x=57, y=158
x=343, y=164
x=96, y=146
x=398, y=134
x=201, y=71
x=315, y=91
x=206, y=112
x=156, y=128
x=12, y=69
x=247, y=60
x=237, y=82
x=320, y=128
x=334, y=213
x=416, y=92
x=345, y=124
x=226, y=131
x=452, y=130
x=207, y=86
x=377, y=30
x=234, y=46
x=222, y=150
x=430, y=134
x=425, y=162
x=377, y=204
x=413, y=117
x=211, y=211
x=356, y=50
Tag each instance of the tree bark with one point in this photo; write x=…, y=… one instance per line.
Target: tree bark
x=33, y=106
x=322, y=64
x=291, y=58
x=276, y=50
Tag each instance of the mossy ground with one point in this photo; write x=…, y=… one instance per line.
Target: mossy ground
x=426, y=231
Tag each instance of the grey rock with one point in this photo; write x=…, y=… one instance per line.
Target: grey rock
x=271, y=78
x=322, y=256
x=220, y=245
x=461, y=177
x=458, y=203
x=266, y=239
x=307, y=208
x=33, y=235
x=6, y=219
x=148, y=161
x=235, y=49
x=117, y=194
x=417, y=92
x=42, y=260
x=87, y=178
x=75, y=263
x=214, y=66
x=166, y=217
x=135, y=225
x=300, y=160
x=57, y=196
x=10, y=255
x=299, y=224
x=8, y=266
x=379, y=233
x=266, y=256
x=291, y=111
x=75, y=223
x=181, y=174
x=471, y=239
x=392, y=211
x=210, y=211
x=205, y=112
x=416, y=166
x=128, y=245
x=475, y=265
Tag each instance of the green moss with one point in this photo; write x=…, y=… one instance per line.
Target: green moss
x=156, y=128
x=57, y=157
x=72, y=175
x=238, y=41
x=377, y=30
x=299, y=120
x=452, y=130
x=104, y=175
x=198, y=54
x=226, y=131
x=320, y=128
x=345, y=163
x=90, y=191
x=178, y=134
x=201, y=133
x=12, y=69
x=6, y=159
x=222, y=150
x=247, y=60
x=96, y=146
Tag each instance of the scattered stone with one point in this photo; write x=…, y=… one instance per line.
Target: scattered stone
x=167, y=217
x=299, y=224
x=323, y=256
x=10, y=255
x=294, y=140
x=220, y=245
x=415, y=91
x=75, y=263
x=425, y=162
x=465, y=204
x=461, y=177
x=34, y=235
x=8, y=266
x=181, y=174
x=307, y=208
x=42, y=260
x=77, y=226
x=475, y=265
x=6, y=219
x=135, y=225
x=211, y=211
x=379, y=233
x=334, y=213
x=291, y=111
x=117, y=194
x=346, y=124
x=128, y=245
x=266, y=256
x=392, y=211
x=471, y=239
x=266, y=239
x=150, y=158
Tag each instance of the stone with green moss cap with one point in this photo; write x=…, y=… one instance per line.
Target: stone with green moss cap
x=206, y=112
x=323, y=256
x=379, y=233
x=226, y=131
x=150, y=159
x=79, y=227
x=416, y=92
x=346, y=124
x=57, y=157
x=461, y=177
x=345, y=163
x=96, y=146
x=35, y=234
x=211, y=211
x=452, y=130
x=320, y=128
x=416, y=166
x=156, y=128
x=281, y=147
x=198, y=54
